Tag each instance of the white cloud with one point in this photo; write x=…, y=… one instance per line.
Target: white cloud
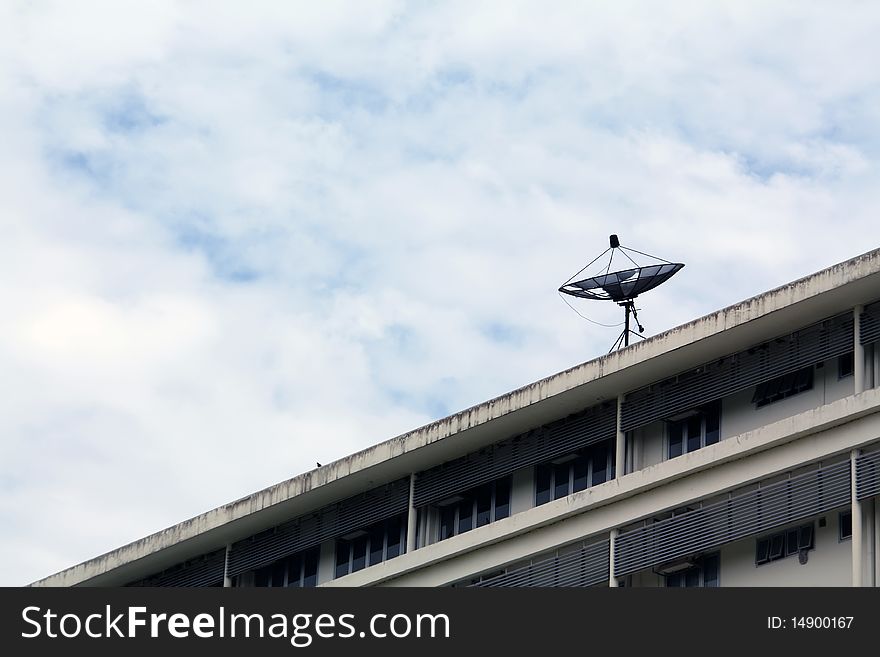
x=236, y=243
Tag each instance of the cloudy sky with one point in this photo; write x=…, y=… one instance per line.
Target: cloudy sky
x=234, y=243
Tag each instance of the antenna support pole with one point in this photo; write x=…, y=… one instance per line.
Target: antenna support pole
x=629, y=307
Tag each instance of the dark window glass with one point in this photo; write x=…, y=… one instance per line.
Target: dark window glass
x=278, y=570
x=762, y=552
x=791, y=541
x=845, y=525
x=777, y=387
x=600, y=465
x=805, y=540
x=394, y=538
x=261, y=577
x=675, y=439
x=560, y=480
x=692, y=577
x=543, y=477
x=673, y=580
x=803, y=380
x=343, y=555
x=845, y=365
x=465, y=515
x=294, y=570
x=377, y=543
x=713, y=417
x=783, y=386
x=447, y=521
x=480, y=506
x=310, y=568
x=484, y=505
x=711, y=566
x=358, y=553
x=694, y=432
x=760, y=394
x=777, y=546
x=502, y=498
x=581, y=469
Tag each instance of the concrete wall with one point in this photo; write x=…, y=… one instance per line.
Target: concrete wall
x=739, y=415
x=645, y=579
x=731, y=464
x=829, y=564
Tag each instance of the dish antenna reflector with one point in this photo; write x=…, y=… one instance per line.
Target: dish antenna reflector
x=621, y=286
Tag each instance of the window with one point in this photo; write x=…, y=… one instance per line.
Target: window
x=370, y=546
x=573, y=473
x=704, y=574
x=475, y=508
x=297, y=570
x=543, y=484
x=783, y=387
x=778, y=546
x=844, y=525
x=699, y=429
x=845, y=365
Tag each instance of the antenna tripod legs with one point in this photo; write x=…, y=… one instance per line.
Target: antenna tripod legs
x=629, y=306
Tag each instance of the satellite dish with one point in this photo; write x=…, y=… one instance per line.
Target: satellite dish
x=621, y=286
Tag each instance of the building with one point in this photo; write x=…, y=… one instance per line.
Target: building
x=742, y=448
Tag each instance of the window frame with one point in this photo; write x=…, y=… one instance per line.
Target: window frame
x=840, y=516
x=806, y=530
x=305, y=558
x=849, y=360
x=368, y=535
x=783, y=387
x=571, y=462
x=710, y=411
x=473, y=497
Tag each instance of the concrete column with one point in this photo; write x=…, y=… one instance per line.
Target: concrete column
x=327, y=561
x=857, y=549
x=411, y=528
x=227, y=580
x=858, y=351
x=612, y=580
x=620, y=451
x=522, y=493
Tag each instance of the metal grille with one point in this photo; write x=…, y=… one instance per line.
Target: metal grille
x=330, y=522
x=557, y=439
x=738, y=517
x=736, y=372
x=583, y=567
x=206, y=570
x=868, y=475
x=870, y=324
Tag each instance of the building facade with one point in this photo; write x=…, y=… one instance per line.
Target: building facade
x=740, y=449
